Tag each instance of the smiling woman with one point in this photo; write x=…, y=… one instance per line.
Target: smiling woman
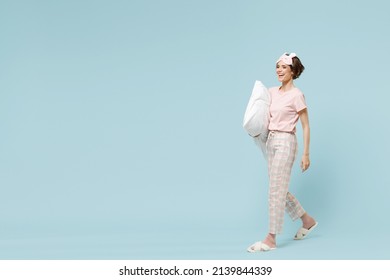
x=289, y=66
x=287, y=106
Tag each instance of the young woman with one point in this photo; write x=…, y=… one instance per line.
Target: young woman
x=287, y=106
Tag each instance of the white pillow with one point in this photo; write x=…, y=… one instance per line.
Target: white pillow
x=256, y=119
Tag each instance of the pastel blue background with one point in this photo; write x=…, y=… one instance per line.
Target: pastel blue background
x=121, y=128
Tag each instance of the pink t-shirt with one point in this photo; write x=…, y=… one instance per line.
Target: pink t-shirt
x=284, y=109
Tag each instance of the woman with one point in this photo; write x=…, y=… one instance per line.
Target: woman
x=287, y=106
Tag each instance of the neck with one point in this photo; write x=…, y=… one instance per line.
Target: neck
x=287, y=85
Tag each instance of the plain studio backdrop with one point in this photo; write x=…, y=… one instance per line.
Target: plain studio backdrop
x=121, y=128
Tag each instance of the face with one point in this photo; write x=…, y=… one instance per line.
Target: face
x=283, y=72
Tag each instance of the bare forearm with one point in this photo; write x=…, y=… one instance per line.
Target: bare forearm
x=306, y=140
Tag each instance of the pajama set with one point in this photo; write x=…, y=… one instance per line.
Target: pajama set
x=281, y=151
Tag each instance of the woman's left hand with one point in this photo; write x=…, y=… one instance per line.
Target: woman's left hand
x=305, y=163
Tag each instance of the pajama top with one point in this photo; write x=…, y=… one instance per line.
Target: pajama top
x=284, y=109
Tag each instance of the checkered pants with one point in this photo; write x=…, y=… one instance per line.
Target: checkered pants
x=281, y=151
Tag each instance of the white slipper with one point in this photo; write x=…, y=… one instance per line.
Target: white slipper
x=259, y=247
x=303, y=232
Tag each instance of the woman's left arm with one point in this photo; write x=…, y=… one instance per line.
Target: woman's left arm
x=304, y=116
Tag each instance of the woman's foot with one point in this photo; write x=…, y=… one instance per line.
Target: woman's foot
x=307, y=221
x=308, y=224
x=268, y=244
x=270, y=240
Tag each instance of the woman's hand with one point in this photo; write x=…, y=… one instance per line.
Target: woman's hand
x=305, y=163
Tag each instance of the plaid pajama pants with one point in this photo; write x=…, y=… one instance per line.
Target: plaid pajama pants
x=281, y=151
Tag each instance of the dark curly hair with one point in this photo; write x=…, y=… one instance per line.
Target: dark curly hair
x=296, y=67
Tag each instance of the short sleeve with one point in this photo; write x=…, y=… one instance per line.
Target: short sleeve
x=300, y=102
